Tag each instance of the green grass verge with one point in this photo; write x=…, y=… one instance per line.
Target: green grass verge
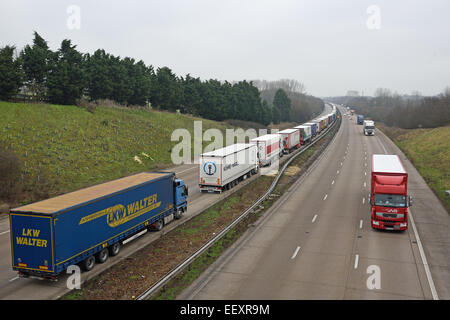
x=65, y=148
x=429, y=151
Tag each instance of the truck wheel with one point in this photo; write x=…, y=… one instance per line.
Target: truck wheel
x=159, y=224
x=88, y=263
x=179, y=214
x=102, y=256
x=114, y=249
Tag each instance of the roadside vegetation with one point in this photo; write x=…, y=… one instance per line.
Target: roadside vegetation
x=410, y=112
x=47, y=150
x=429, y=151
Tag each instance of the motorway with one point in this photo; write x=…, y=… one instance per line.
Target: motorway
x=13, y=287
x=316, y=241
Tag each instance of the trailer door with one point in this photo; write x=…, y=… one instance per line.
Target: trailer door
x=31, y=242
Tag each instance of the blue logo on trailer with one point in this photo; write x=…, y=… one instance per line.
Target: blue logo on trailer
x=209, y=168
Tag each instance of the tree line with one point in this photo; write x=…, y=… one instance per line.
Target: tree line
x=290, y=98
x=409, y=112
x=66, y=75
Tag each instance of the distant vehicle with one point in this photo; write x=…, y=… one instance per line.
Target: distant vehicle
x=313, y=126
x=305, y=133
x=388, y=193
x=222, y=169
x=291, y=140
x=369, y=128
x=352, y=112
x=88, y=225
x=360, y=119
x=269, y=148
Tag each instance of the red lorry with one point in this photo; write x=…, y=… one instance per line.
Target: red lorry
x=388, y=193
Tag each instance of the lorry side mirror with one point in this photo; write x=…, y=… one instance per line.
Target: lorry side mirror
x=410, y=200
x=369, y=197
x=187, y=190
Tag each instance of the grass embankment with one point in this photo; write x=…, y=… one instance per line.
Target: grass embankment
x=129, y=278
x=429, y=151
x=64, y=148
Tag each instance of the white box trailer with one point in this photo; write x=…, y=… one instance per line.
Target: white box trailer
x=269, y=148
x=291, y=139
x=313, y=126
x=305, y=133
x=320, y=124
x=222, y=169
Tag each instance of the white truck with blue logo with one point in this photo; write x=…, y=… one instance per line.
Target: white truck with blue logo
x=222, y=169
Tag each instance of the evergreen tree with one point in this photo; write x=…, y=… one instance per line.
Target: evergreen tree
x=11, y=73
x=275, y=115
x=192, y=101
x=167, y=90
x=283, y=103
x=266, y=114
x=66, y=78
x=98, y=74
x=35, y=63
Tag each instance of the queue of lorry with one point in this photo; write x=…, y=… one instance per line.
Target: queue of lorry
x=222, y=169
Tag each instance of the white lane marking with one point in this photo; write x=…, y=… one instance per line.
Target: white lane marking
x=356, y=261
x=364, y=200
x=365, y=173
x=324, y=198
x=360, y=224
x=314, y=219
x=332, y=182
x=186, y=170
x=365, y=184
x=337, y=172
x=385, y=151
x=295, y=253
x=15, y=278
x=4, y=232
x=424, y=259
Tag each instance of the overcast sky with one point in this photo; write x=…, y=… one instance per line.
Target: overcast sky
x=331, y=46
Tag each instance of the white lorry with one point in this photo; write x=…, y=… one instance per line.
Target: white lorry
x=369, y=128
x=224, y=168
x=305, y=132
x=269, y=148
x=291, y=140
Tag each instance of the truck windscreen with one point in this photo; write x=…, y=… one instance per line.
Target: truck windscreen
x=370, y=127
x=390, y=200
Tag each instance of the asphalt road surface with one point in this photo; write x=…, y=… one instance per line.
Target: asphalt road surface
x=13, y=287
x=316, y=242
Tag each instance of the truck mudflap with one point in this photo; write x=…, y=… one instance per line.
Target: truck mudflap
x=32, y=244
x=389, y=225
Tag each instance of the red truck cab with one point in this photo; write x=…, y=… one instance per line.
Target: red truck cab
x=388, y=193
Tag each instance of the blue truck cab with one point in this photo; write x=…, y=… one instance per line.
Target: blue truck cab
x=89, y=225
x=360, y=119
x=181, y=194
